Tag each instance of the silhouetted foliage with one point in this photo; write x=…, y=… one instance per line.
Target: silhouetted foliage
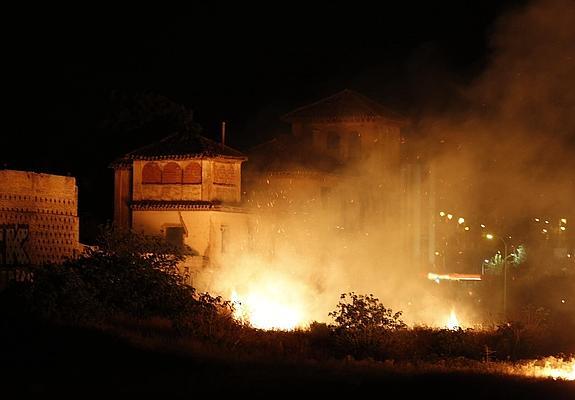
x=364, y=312
x=363, y=325
x=125, y=275
x=130, y=111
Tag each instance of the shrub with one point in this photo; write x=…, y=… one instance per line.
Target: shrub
x=364, y=312
x=363, y=324
x=125, y=275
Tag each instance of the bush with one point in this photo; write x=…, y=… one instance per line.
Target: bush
x=135, y=274
x=363, y=326
x=364, y=312
x=125, y=275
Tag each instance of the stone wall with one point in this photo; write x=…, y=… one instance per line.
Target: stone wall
x=38, y=218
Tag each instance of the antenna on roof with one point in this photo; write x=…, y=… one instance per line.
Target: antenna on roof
x=223, y=133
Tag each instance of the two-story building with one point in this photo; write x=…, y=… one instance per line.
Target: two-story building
x=186, y=188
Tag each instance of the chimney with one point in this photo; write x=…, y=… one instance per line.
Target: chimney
x=223, y=133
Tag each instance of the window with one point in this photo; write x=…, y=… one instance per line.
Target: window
x=225, y=174
x=333, y=140
x=151, y=173
x=193, y=173
x=172, y=173
x=175, y=235
x=225, y=238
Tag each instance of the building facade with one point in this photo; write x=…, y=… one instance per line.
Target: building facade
x=186, y=188
x=345, y=157
x=345, y=137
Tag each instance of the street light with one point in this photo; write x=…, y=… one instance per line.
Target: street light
x=490, y=236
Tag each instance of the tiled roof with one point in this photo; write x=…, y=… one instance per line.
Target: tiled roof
x=185, y=143
x=182, y=205
x=344, y=105
x=288, y=153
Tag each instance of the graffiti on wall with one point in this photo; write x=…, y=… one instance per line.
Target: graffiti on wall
x=13, y=237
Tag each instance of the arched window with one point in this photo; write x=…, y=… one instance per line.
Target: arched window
x=151, y=173
x=172, y=173
x=193, y=173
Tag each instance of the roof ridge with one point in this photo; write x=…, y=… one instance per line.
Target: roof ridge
x=260, y=145
x=224, y=146
x=179, y=145
x=316, y=102
x=343, y=104
x=151, y=144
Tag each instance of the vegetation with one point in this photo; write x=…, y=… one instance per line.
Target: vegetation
x=129, y=285
x=126, y=275
x=363, y=325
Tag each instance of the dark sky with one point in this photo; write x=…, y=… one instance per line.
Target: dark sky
x=246, y=65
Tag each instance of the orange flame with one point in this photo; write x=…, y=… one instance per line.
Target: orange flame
x=550, y=367
x=264, y=309
x=452, y=321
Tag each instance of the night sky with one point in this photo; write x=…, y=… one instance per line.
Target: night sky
x=79, y=81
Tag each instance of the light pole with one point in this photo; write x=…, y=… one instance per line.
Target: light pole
x=490, y=237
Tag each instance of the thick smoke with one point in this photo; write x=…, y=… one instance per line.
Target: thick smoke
x=513, y=149
x=507, y=159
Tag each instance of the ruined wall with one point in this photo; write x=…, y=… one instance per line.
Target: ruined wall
x=38, y=218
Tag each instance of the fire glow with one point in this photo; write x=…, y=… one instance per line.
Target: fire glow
x=270, y=298
x=550, y=367
x=452, y=321
x=267, y=310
